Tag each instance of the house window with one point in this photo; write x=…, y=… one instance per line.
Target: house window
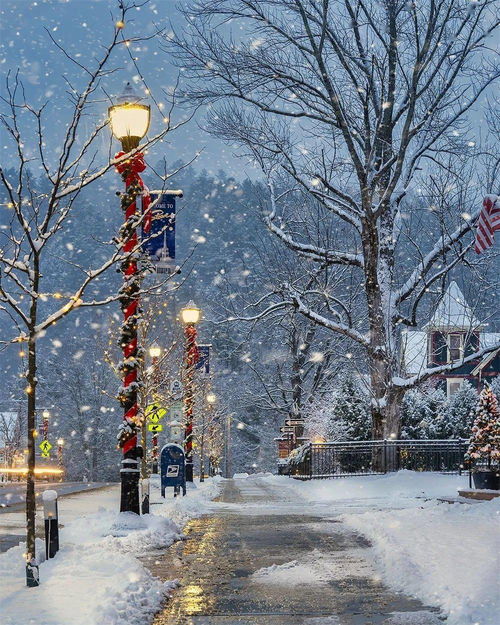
x=452, y=386
x=455, y=347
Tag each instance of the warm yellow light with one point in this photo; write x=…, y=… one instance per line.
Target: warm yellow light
x=129, y=120
x=38, y=470
x=319, y=440
x=60, y=441
x=155, y=351
x=211, y=398
x=191, y=314
x=45, y=414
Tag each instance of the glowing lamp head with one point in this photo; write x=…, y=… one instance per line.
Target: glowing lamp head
x=155, y=351
x=211, y=398
x=60, y=442
x=45, y=414
x=129, y=119
x=191, y=314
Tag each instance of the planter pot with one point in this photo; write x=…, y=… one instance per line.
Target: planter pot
x=489, y=480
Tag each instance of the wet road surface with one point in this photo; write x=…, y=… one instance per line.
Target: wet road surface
x=264, y=558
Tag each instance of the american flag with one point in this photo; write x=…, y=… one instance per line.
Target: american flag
x=488, y=221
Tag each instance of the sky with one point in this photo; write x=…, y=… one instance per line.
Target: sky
x=81, y=27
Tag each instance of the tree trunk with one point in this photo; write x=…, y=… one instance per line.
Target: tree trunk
x=30, y=478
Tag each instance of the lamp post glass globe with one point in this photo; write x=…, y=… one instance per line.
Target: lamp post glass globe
x=45, y=414
x=190, y=314
x=155, y=351
x=211, y=398
x=60, y=442
x=129, y=119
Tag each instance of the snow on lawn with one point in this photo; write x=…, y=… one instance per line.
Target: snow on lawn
x=96, y=577
x=446, y=555
x=389, y=489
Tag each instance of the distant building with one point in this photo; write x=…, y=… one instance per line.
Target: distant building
x=452, y=334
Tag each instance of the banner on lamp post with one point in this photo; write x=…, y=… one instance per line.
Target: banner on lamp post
x=158, y=243
x=203, y=363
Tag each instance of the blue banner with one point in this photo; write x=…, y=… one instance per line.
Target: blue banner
x=159, y=243
x=204, y=359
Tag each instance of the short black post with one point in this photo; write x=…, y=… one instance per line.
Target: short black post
x=145, y=496
x=50, y=514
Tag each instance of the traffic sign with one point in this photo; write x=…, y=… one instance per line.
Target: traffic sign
x=154, y=418
x=155, y=427
x=176, y=411
x=155, y=409
x=287, y=428
x=45, y=446
x=45, y=454
x=293, y=422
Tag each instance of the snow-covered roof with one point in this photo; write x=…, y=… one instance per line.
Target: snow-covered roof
x=414, y=350
x=488, y=339
x=453, y=311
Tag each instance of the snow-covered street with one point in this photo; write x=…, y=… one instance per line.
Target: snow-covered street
x=368, y=550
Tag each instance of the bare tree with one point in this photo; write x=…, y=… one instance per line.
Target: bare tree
x=42, y=209
x=353, y=104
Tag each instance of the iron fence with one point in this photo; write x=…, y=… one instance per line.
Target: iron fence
x=339, y=459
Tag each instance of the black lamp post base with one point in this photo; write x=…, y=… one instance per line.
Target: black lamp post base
x=189, y=472
x=129, y=475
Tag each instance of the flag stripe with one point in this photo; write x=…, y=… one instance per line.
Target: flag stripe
x=487, y=224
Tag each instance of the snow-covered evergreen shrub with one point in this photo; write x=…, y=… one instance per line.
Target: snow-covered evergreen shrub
x=495, y=387
x=423, y=413
x=459, y=414
x=341, y=414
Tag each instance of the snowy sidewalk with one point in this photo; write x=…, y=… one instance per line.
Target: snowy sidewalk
x=97, y=578
x=276, y=552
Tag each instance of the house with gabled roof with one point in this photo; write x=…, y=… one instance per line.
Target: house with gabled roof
x=453, y=333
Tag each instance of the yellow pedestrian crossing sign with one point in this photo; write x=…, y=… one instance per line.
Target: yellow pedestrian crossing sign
x=155, y=427
x=45, y=446
x=154, y=412
x=45, y=454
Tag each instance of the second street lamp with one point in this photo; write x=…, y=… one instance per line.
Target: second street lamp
x=129, y=120
x=190, y=316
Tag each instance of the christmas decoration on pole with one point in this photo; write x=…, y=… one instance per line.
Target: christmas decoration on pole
x=190, y=316
x=483, y=453
x=129, y=123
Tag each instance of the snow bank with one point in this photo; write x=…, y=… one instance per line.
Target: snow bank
x=446, y=555
x=96, y=577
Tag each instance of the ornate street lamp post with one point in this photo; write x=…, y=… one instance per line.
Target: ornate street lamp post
x=190, y=315
x=129, y=120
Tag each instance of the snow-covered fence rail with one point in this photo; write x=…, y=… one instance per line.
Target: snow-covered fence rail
x=340, y=459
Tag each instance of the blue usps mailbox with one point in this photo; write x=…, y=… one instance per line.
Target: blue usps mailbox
x=173, y=468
